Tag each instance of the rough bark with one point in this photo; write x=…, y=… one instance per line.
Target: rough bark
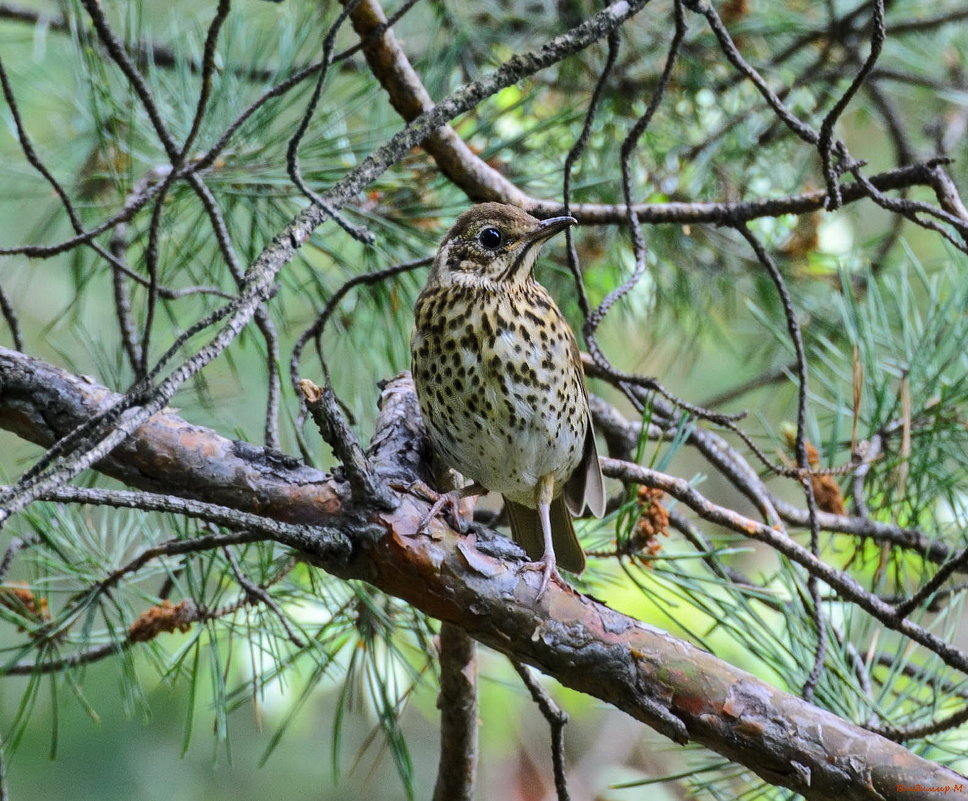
x=479, y=582
x=41, y=403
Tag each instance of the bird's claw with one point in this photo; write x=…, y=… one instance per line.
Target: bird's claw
x=547, y=564
x=439, y=500
x=451, y=499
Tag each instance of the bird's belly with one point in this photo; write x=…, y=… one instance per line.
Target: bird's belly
x=505, y=412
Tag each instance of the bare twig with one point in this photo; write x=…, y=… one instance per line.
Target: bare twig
x=557, y=719
x=928, y=23
x=957, y=561
x=573, y=155
x=764, y=379
x=315, y=331
x=292, y=151
x=800, y=447
x=10, y=316
x=4, y=793
x=176, y=155
x=122, y=301
x=457, y=702
x=253, y=527
x=34, y=160
x=47, y=666
x=367, y=486
x=256, y=594
x=728, y=46
x=902, y=733
x=825, y=140
x=595, y=317
x=15, y=545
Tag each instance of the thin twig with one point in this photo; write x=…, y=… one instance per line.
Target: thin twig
x=825, y=140
x=574, y=154
x=956, y=562
x=928, y=23
x=95, y=654
x=728, y=46
x=594, y=318
x=256, y=594
x=764, y=379
x=316, y=330
x=35, y=161
x=122, y=301
x=366, y=485
x=253, y=527
x=557, y=719
x=4, y=794
x=16, y=545
x=10, y=316
x=800, y=447
x=292, y=150
x=177, y=158
x=901, y=734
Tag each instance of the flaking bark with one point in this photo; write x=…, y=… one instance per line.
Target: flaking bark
x=476, y=582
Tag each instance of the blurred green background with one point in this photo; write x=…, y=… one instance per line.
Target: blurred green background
x=177, y=719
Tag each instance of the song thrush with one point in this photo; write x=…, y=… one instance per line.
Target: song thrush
x=501, y=385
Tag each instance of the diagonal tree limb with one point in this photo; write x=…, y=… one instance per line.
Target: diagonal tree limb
x=317, y=498
x=390, y=66
x=481, y=182
x=478, y=584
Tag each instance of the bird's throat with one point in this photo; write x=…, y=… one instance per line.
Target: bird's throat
x=523, y=262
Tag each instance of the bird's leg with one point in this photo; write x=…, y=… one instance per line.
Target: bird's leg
x=452, y=499
x=543, y=496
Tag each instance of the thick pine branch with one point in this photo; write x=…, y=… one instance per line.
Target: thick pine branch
x=477, y=583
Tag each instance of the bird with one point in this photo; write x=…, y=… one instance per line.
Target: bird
x=500, y=383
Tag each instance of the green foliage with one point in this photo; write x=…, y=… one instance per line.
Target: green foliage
x=705, y=318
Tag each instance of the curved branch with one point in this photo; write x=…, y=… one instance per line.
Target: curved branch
x=483, y=586
x=390, y=66
x=481, y=182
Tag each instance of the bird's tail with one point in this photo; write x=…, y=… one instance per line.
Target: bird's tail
x=526, y=531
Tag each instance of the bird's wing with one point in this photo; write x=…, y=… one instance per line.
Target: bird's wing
x=585, y=486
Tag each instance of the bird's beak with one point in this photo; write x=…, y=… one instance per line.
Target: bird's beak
x=550, y=227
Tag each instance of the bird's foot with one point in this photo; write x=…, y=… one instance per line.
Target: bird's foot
x=451, y=500
x=438, y=499
x=548, y=566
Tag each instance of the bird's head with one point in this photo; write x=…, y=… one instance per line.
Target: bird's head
x=493, y=244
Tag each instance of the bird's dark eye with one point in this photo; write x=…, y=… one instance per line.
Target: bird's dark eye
x=490, y=238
